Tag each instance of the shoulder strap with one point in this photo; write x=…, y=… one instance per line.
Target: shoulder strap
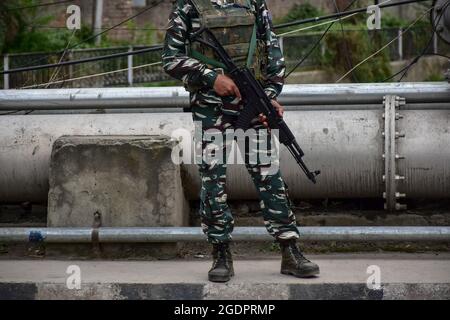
x=200, y=57
x=252, y=47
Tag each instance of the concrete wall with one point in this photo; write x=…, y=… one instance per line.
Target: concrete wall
x=130, y=180
x=118, y=10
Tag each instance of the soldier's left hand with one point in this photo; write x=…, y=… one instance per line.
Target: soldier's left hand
x=278, y=107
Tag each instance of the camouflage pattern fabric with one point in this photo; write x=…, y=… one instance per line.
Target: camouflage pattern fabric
x=219, y=113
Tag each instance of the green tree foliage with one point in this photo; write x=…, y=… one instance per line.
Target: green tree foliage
x=29, y=30
x=353, y=47
x=301, y=11
x=345, y=49
x=24, y=30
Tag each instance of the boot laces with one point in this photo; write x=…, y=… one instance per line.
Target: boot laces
x=221, y=257
x=298, y=254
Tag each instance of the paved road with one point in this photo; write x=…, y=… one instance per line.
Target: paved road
x=420, y=276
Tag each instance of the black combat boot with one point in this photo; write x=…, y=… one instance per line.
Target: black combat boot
x=222, y=268
x=294, y=263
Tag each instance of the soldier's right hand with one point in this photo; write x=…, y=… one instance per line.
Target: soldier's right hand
x=225, y=86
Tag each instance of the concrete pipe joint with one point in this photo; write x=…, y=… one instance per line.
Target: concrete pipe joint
x=392, y=150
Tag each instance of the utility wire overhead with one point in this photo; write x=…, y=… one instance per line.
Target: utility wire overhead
x=344, y=14
x=385, y=46
x=153, y=5
x=104, y=28
x=423, y=53
x=425, y=49
x=348, y=57
x=92, y=59
x=62, y=81
x=300, y=62
x=40, y=5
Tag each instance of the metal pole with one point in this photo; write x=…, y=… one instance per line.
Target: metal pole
x=130, y=67
x=175, y=234
x=98, y=20
x=435, y=43
x=400, y=44
x=5, y=68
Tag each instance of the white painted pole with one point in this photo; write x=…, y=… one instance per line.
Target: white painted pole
x=130, y=67
x=6, y=75
x=400, y=44
x=98, y=20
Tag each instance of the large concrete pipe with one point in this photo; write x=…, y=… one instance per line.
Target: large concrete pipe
x=347, y=145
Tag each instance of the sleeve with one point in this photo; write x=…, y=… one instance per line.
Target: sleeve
x=176, y=63
x=274, y=69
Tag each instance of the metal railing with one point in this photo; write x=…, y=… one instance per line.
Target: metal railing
x=127, y=78
x=294, y=47
x=174, y=234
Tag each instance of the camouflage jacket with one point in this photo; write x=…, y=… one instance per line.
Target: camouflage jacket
x=177, y=64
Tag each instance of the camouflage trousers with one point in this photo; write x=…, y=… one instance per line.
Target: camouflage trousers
x=215, y=214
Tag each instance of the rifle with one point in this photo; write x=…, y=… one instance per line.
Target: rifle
x=252, y=91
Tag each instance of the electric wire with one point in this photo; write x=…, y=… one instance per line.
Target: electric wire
x=153, y=5
x=385, y=46
x=94, y=75
x=39, y=5
x=158, y=48
x=37, y=26
x=342, y=14
x=316, y=44
x=56, y=71
x=91, y=59
x=347, y=53
x=315, y=25
x=150, y=7
x=434, y=34
x=423, y=52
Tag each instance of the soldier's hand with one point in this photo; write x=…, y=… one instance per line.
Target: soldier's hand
x=263, y=119
x=225, y=86
x=278, y=107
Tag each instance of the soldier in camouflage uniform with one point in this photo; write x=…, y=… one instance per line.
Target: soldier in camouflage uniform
x=216, y=101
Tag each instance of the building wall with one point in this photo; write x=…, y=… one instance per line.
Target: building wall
x=116, y=11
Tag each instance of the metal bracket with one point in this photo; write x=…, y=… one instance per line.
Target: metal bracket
x=390, y=155
x=95, y=234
